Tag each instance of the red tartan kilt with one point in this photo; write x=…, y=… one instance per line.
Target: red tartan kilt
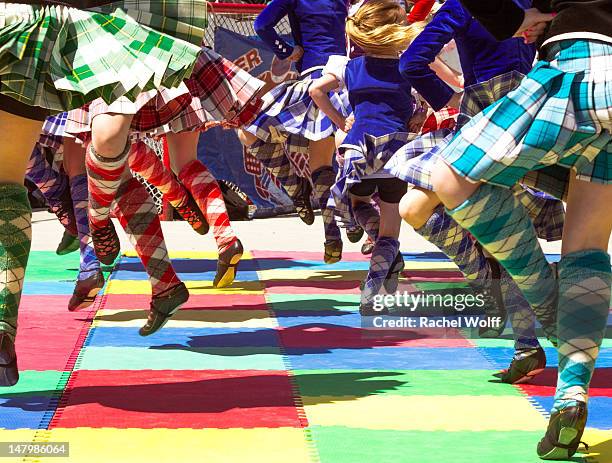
x=150, y=117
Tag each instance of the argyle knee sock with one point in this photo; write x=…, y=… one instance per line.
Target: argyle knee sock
x=144, y=162
x=384, y=254
x=15, y=240
x=137, y=214
x=520, y=313
x=323, y=179
x=90, y=264
x=274, y=158
x=547, y=213
x=368, y=217
x=54, y=186
x=207, y=194
x=454, y=241
x=500, y=223
x=104, y=177
x=584, y=302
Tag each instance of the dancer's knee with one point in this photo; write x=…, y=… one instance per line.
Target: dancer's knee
x=416, y=206
x=109, y=135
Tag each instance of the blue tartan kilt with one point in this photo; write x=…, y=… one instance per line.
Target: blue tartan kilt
x=560, y=115
x=52, y=134
x=360, y=161
x=415, y=161
x=288, y=110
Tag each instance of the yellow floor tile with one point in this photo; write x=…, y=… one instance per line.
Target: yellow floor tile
x=16, y=435
x=190, y=318
x=426, y=413
x=600, y=445
x=195, y=287
x=204, y=255
x=182, y=445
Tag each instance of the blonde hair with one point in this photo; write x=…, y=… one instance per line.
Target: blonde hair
x=381, y=27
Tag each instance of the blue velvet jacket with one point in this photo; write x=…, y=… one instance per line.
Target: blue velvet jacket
x=482, y=56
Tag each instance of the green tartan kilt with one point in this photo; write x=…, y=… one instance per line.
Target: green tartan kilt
x=60, y=58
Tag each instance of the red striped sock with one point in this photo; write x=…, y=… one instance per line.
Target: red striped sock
x=144, y=162
x=103, y=180
x=207, y=194
x=137, y=214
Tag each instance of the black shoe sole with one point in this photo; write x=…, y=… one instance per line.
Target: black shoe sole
x=86, y=301
x=229, y=273
x=144, y=333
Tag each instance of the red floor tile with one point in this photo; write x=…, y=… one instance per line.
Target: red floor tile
x=179, y=399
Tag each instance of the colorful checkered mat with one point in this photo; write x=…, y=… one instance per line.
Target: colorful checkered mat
x=275, y=368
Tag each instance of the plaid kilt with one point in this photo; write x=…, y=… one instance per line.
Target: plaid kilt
x=151, y=110
x=414, y=162
x=221, y=92
x=367, y=159
x=288, y=109
x=61, y=58
x=52, y=134
x=561, y=114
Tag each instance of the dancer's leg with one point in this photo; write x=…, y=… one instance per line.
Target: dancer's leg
x=145, y=162
x=384, y=256
x=584, y=300
x=207, y=194
x=54, y=186
x=137, y=214
x=323, y=178
x=15, y=234
x=90, y=279
x=274, y=158
x=106, y=158
x=501, y=224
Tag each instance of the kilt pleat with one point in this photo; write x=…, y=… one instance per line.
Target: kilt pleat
x=61, y=58
x=560, y=115
x=288, y=109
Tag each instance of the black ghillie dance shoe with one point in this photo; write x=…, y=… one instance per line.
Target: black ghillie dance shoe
x=333, y=251
x=228, y=264
x=9, y=374
x=564, y=432
x=86, y=291
x=163, y=306
x=303, y=205
x=526, y=363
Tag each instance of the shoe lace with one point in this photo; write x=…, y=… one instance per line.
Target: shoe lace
x=64, y=212
x=189, y=214
x=105, y=239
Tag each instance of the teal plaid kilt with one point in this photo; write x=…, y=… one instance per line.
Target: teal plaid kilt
x=60, y=58
x=415, y=161
x=560, y=115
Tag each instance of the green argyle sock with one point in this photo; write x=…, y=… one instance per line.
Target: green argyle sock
x=501, y=224
x=584, y=302
x=15, y=239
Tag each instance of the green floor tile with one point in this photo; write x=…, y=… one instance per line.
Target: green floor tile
x=40, y=383
x=48, y=266
x=359, y=383
x=350, y=445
